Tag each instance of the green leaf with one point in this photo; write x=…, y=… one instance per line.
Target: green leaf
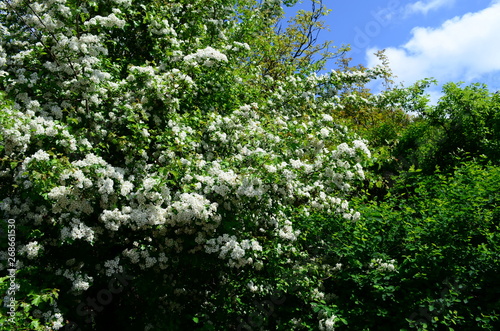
x=36, y=300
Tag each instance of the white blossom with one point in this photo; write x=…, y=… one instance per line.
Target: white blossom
x=32, y=249
x=327, y=324
x=208, y=56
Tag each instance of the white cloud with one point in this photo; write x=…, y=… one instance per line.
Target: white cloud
x=425, y=6
x=463, y=48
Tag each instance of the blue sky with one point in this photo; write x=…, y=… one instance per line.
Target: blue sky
x=449, y=40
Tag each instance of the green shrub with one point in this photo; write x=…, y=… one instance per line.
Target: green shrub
x=464, y=125
x=426, y=257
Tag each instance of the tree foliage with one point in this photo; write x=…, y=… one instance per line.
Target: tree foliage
x=174, y=165
x=464, y=124
x=424, y=257
x=164, y=143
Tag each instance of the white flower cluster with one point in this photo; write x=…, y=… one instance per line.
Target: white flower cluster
x=23, y=128
x=207, y=57
x=77, y=230
x=222, y=182
x=113, y=219
x=356, y=76
x=109, y=21
x=317, y=295
x=31, y=250
x=162, y=27
x=54, y=319
x=383, y=266
x=247, y=136
x=80, y=282
x=91, y=173
x=155, y=82
x=57, y=321
x=113, y=267
x=237, y=46
x=67, y=199
x=143, y=258
x=124, y=3
x=327, y=324
x=40, y=155
x=229, y=248
x=361, y=146
x=251, y=187
x=193, y=208
x=90, y=160
x=344, y=151
x=255, y=288
x=287, y=232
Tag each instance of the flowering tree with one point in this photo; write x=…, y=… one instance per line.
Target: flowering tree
x=143, y=143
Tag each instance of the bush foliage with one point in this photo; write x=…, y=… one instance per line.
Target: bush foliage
x=174, y=165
